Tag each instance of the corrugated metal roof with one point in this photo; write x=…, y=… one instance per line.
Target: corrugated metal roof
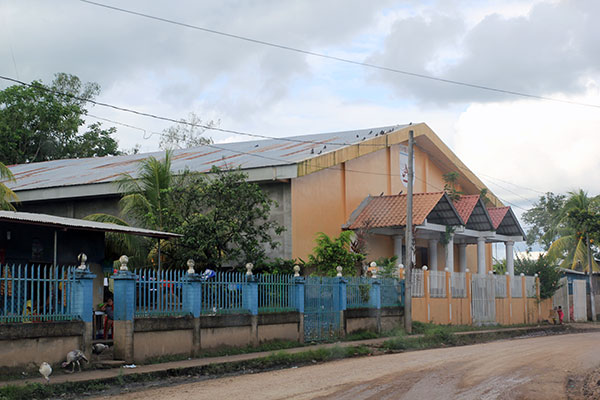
x=244, y=155
x=79, y=224
x=390, y=211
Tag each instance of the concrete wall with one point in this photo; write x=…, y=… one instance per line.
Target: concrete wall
x=23, y=345
x=370, y=319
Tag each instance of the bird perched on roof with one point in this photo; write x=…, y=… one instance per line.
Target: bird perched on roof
x=46, y=371
x=74, y=357
x=98, y=348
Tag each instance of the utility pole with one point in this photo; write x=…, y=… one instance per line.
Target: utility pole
x=409, y=239
x=589, y=254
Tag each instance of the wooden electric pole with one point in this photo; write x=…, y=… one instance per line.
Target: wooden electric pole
x=409, y=239
x=589, y=254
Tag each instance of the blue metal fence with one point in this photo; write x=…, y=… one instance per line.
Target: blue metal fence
x=358, y=291
x=30, y=293
x=223, y=293
x=275, y=293
x=158, y=293
x=392, y=292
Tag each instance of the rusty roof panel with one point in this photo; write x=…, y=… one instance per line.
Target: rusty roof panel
x=246, y=155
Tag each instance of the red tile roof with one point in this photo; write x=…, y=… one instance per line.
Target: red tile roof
x=465, y=205
x=497, y=215
x=388, y=211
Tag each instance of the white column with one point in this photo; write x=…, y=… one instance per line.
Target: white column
x=433, y=254
x=481, y=256
x=450, y=254
x=510, y=260
x=398, y=242
x=462, y=257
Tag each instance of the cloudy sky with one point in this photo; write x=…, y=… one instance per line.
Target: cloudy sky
x=520, y=147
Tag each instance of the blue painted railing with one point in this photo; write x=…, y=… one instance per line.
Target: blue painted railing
x=159, y=293
x=392, y=293
x=358, y=291
x=223, y=293
x=36, y=293
x=275, y=293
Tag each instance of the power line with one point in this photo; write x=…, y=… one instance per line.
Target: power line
x=183, y=122
x=340, y=59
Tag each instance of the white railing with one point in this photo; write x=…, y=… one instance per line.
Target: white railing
x=417, y=280
x=437, y=283
x=500, y=281
x=516, y=286
x=458, y=283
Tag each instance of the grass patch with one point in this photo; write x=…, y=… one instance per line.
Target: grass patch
x=361, y=335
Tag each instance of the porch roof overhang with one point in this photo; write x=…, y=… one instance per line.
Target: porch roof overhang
x=473, y=212
x=78, y=224
x=388, y=213
x=505, y=222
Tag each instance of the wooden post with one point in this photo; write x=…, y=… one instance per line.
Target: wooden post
x=524, y=296
x=469, y=299
x=509, y=297
x=538, y=298
x=449, y=294
x=426, y=292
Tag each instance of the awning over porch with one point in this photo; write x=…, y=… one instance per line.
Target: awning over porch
x=390, y=211
x=433, y=213
x=505, y=222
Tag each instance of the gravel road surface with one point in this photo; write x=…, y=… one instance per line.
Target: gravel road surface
x=528, y=368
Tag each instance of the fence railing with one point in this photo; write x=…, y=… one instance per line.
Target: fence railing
x=223, y=294
x=516, y=286
x=458, y=283
x=530, y=286
x=159, y=293
x=391, y=292
x=358, y=292
x=437, y=283
x=275, y=293
x=500, y=282
x=417, y=287
x=35, y=293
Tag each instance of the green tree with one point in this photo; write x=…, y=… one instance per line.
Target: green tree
x=40, y=123
x=146, y=198
x=224, y=218
x=450, y=182
x=329, y=253
x=548, y=273
x=544, y=219
x=573, y=227
x=7, y=196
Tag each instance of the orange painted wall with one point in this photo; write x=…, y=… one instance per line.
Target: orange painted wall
x=323, y=201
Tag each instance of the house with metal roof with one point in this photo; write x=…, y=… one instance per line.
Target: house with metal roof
x=317, y=180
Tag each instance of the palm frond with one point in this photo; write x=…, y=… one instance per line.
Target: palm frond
x=118, y=244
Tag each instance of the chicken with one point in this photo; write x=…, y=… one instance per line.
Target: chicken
x=98, y=348
x=46, y=371
x=73, y=357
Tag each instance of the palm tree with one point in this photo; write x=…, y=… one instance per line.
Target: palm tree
x=570, y=249
x=7, y=196
x=145, y=201
x=146, y=197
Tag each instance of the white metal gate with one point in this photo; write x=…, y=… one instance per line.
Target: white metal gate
x=579, y=301
x=561, y=298
x=483, y=299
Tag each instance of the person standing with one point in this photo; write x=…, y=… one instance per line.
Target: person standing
x=561, y=315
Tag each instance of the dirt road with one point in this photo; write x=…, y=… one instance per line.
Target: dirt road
x=532, y=368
